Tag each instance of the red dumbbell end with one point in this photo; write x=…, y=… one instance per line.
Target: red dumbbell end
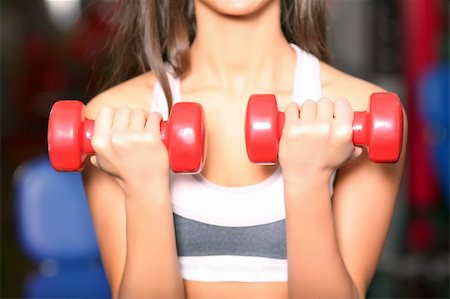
x=185, y=137
x=380, y=128
x=263, y=127
x=69, y=134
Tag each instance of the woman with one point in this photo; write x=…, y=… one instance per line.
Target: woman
x=311, y=226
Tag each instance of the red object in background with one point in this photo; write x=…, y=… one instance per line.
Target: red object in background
x=88, y=40
x=44, y=74
x=420, y=235
x=63, y=64
x=422, y=31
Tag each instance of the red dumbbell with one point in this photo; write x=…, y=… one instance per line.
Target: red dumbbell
x=380, y=128
x=70, y=133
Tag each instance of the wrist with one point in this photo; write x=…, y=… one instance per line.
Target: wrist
x=307, y=178
x=155, y=188
x=297, y=185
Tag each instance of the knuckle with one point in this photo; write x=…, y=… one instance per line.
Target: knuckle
x=99, y=142
x=101, y=110
x=118, y=139
x=150, y=138
x=344, y=131
x=121, y=113
x=134, y=137
x=105, y=109
x=143, y=137
x=324, y=128
x=293, y=131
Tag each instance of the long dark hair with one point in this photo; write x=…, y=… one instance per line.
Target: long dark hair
x=152, y=33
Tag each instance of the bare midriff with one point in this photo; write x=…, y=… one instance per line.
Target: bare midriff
x=235, y=290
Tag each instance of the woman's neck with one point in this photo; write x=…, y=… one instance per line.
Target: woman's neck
x=240, y=53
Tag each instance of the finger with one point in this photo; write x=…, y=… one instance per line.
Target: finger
x=103, y=121
x=154, y=123
x=138, y=119
x=308, y=111
x=93, y=160
x=325, y=109
x=343, y=110
x=121, y=119
x=291, y=113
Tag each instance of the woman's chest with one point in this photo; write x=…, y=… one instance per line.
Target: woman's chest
x=227, y=163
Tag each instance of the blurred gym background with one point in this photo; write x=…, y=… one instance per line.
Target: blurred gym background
x=56, y=49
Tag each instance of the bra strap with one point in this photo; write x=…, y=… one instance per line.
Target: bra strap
x=159, y=103
x=307, y=83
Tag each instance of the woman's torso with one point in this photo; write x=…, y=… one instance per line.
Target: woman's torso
x=228, y=173
x=227, y=163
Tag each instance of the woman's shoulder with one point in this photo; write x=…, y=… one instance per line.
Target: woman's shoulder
x=134, y=93
x=336, y=84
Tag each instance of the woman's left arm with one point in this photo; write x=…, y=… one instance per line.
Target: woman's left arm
x=363, y=203
x=334, y=245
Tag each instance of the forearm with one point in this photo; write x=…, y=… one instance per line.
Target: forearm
x=151, y=267
x=315, y=266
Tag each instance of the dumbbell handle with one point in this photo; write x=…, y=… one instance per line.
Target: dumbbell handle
x=87, y=131
x=86, y=136
x=360, y=129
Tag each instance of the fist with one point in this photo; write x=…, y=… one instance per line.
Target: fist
x=317, y=138
x=128, y=145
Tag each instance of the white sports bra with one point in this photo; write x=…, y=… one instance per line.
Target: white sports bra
x=227, y=234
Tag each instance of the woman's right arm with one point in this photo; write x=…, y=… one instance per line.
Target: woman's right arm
x=129, y=198
x=107, y=205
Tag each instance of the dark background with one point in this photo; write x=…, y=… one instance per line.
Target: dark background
x=390, y=43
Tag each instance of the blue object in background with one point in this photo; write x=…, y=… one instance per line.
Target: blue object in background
x=434, y=103
x=55, y=230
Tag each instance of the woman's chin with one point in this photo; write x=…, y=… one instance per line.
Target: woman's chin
x=235, y=7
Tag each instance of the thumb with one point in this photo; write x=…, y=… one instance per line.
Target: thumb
x=357, y=151
x=93, y=160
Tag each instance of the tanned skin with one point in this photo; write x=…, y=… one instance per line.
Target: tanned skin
x=334, y=241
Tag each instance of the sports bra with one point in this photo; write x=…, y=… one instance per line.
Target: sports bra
x=234, y=234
